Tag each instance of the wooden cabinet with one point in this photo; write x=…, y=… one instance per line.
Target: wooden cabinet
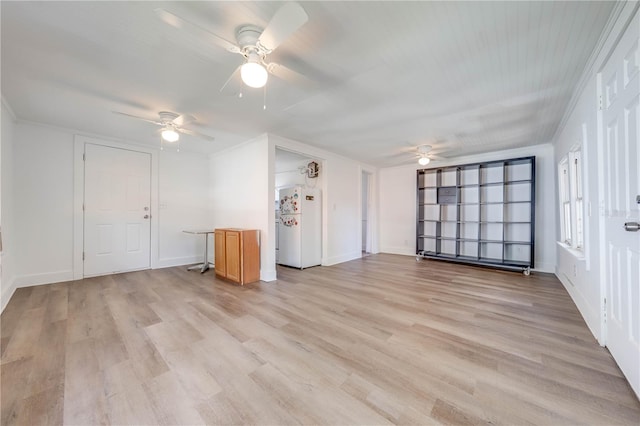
x=237, y=254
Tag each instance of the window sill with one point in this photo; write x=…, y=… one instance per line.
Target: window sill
x=578, y=254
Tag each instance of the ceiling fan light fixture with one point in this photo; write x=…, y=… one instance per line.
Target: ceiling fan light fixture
x=170, y=135
x=424, y=160
x=253, y=73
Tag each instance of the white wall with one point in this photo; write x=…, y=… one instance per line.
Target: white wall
x=398, y=203
x=183, y=204
x=580, y=273
x=43, y=204
x=398, y=210
x=241, y=195
x=344, y=210
x=43, y=162
x=7, y=257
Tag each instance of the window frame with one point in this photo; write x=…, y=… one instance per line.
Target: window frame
x=577, y=197
x=571, y=199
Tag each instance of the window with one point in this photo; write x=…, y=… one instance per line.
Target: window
x=576, y=173
x=565, y=200
x=571, y=202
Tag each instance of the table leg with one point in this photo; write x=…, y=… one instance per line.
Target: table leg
x=204, y=266
x=205, y=261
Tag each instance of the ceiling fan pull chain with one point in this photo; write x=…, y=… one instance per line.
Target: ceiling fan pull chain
x=264, y=98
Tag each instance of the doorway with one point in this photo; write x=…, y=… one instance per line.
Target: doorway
x=117, y=210
x=366, y=213
x=294, y=169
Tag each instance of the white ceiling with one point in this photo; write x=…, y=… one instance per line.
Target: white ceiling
x=465, y=77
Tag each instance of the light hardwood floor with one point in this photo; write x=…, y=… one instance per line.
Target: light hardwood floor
x=380, y=340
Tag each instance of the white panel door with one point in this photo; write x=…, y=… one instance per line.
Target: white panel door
x=117, y=217
x=620, y=161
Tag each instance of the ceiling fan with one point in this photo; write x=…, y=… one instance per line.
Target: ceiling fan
x=252, y=42
x=423, y=155
x=171, y=124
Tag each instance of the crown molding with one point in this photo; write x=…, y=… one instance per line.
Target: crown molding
x=595, y=61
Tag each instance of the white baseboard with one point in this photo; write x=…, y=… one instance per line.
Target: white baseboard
x=45, y=278
x=268, y=275
x=548, y=268
x=178, y=261
x=342, y=258
x=406, y=251
x=7, y=293
x=589, y=314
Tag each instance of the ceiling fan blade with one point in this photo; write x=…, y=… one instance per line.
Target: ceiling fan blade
x=181, y=23
x=139, y=118
x=285, y=22
x=194, y=133
x=183, y=119
x=289, y=75
x=436, y=157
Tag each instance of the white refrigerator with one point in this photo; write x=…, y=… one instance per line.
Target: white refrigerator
x=299, y=230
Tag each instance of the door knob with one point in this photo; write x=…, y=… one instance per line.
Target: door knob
x=146, y=216
x=632, y=226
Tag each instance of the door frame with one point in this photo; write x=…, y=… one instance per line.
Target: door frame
x=366, y=233
x=79, y=143
x=372, y=219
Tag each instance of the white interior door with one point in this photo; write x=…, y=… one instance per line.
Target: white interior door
x=620, y=161
x=117, y=216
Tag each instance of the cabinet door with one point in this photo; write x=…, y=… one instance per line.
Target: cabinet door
x=220, y=253
x=232, y=242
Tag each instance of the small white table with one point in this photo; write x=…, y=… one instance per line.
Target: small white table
x=204, y=266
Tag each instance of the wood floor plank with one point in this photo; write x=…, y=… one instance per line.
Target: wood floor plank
x=42, y=408
x=49, y=366
x=14, y=377
x=23, y=342
x=383, y=339
x=85, y=392
x=171, y=404
x=127, y=401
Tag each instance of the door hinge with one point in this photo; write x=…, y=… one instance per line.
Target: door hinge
x=82, y=255
x=604, y=314
x=84, y=157
x=82, y=206
x=600, y=102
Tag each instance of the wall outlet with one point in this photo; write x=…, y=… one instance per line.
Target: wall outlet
x=575, y=270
